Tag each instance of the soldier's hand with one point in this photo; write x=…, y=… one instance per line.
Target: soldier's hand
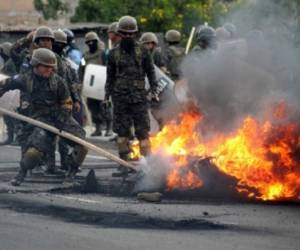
x=77, y=106
x=30, y=35
x=153, y=97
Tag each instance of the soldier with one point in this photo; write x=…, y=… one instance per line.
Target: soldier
x=71, y=49
x=50, y=102
x=206, y=39
x=174, y=54
x=128, y=64
x=94, y=55
x=60, y=41
x=42, y=37
x=8, y=69
x=150, y=42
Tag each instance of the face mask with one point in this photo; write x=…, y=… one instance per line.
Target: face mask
x=58, y=48
x=93, y=46
x=127, y=44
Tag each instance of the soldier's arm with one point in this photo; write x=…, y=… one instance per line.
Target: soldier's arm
x=150, y=71
x=159, y=61
x=64, y=97
x=16, y=82
x=73, y=81
x=18, y=47
x=110, y=75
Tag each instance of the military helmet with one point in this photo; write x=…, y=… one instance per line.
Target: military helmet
x=113, y=28
x=173, y=36
x=231, y=28
x=5, y=48
x=43, y=56
x=91, y=36
x=43, y=32
x=127, y=24
x=60, y=36
x=205, y=33
x=70, y=35
x=149, y=37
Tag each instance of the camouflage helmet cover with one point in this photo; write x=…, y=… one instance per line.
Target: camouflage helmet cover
x=43, y=56
x=91, y=36
x=113, y=28
x=127, y=24
x=60, y=36
x=173, y=36
x=43, y=32
x=149, y=37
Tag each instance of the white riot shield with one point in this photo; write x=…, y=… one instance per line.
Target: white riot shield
x=94, y=81
x=11, y=99
x=95, y=78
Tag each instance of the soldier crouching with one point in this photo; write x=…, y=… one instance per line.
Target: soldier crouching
x=50, y=102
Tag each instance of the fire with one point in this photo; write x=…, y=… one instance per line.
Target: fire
x=264, y=156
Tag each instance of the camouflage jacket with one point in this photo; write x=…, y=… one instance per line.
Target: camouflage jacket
x=126, y=73
x=173, y=57
x=47, y=97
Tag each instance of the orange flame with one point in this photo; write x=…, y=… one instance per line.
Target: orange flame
x=263, y=156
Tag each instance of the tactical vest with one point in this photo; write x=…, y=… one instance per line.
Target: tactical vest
x=129, y=68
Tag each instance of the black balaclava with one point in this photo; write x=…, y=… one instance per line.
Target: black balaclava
x=128, y=44
x=58, y=48
x=93, y=46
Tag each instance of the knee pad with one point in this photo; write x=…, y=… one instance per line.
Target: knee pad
x=79, y=154
x=31, y=158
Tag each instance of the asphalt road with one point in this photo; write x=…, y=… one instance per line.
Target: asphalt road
x=32, y=218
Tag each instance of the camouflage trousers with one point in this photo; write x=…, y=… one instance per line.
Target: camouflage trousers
x=43, y=141
x=126, y=114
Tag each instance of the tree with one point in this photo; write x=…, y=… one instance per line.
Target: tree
x=50, y=8
x=154, y=15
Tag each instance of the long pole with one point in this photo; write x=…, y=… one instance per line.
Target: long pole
x=68, y=136
x=189, y=43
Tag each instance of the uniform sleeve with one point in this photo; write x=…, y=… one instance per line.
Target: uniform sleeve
x=17, y=82
x=110, y=74
x=149, y=69
x=73, y=82
x=64, y=94
x=17, y=48
x=158, y=59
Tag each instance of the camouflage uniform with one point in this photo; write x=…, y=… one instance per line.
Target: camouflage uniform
x=126, y=85
x=50, y=102
x=174, y=54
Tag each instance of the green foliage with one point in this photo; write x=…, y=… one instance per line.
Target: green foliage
x=154, y=15
x=50, y=8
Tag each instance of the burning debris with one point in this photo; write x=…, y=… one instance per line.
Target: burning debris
x=259, y=160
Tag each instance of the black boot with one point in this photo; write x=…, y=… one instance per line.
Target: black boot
x=109, y=131
x=98, y=131
x=19, y=178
